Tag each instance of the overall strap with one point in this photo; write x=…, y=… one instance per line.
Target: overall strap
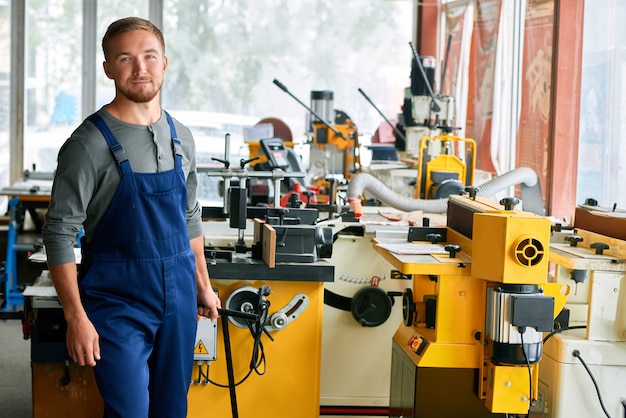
x=178, y=151
x=123, y=165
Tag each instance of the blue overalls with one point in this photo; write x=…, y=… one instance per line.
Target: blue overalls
x=138, y=286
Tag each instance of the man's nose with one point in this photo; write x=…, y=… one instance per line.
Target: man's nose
x=140, y=66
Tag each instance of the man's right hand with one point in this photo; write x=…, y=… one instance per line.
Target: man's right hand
x=82, y=341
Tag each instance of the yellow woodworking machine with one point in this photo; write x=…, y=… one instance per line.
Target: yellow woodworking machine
x=446, y=165
x=476, y=312
x=277, y=374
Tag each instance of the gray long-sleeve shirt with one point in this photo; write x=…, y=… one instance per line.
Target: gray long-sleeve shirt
x=87, y=178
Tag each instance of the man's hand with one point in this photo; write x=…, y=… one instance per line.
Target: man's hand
x=208, y=304
x=82, y=339
x=83, y=342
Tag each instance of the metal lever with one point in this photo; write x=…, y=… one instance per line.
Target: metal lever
x=332, y=128
x=280, y=319
x=396, y=130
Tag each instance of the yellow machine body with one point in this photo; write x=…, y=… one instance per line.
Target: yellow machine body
x=506, y=387
x=511, y=247
x=452, y=341
x=289, y=385
x=347, y=144
x=448, y=327
x=446, y=154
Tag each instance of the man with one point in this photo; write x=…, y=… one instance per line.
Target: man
x=127, y=175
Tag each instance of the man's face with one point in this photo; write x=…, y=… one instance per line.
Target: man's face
x=136, y=64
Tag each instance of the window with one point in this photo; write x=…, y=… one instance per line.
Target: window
x=224, y=56
x=53, y=79
x=5, y=73
x=223, y=59
x=54, y=74
x=602, y=142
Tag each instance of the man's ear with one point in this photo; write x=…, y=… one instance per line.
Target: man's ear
x=164, y=63
x=105, y=65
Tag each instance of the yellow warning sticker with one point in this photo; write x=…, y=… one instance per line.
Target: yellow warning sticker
x=200, y=348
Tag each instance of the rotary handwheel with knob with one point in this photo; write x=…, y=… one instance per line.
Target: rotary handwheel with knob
x=408, y=307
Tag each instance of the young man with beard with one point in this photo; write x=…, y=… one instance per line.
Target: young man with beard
x=127, y=175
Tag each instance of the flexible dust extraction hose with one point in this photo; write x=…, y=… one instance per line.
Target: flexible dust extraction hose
x=364, y=181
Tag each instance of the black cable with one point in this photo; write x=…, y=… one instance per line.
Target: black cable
x=576, y=354
x=220, y=385
x=257, y=329
x=522, y=330
x=258, y=355
x=200, y=373
x=556, y=331
x=258, y=352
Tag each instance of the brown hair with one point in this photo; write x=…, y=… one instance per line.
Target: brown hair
x=129, y=24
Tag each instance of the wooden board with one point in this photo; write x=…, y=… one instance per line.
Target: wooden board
x=269, y=245
x=258, y=231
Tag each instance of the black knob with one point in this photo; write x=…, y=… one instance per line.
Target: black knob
x=472, y=191
x=294, y=201
x=452, y=249
x=574, y=240
x=434, y=238
x=509, y=202
x=578, y=275
x=590, y=201
x=243, y=162
x=599, y=247
x=226, y=163
x=308, y=194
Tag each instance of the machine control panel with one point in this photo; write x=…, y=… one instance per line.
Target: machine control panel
x=276, y=152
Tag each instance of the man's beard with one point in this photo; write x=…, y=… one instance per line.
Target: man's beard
x=141, y=95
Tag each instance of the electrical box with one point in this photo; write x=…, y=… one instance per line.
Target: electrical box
x=205, y=348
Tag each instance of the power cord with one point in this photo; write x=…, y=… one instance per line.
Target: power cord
x=258, y=352
x=203, y=377
x=531, y=401
x=257, y=329
x=576, y=354
x=558, y=330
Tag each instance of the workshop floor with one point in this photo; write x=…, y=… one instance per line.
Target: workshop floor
x=15, y=373
x=15, y=379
